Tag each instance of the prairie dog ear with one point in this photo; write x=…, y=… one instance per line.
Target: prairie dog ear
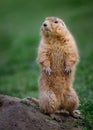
x=63, y=24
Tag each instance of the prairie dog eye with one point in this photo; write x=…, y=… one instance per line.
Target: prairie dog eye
x=56, y=21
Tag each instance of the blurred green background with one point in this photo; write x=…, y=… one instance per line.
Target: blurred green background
x=20, y=22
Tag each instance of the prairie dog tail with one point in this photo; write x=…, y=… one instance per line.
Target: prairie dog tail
x=33, y=100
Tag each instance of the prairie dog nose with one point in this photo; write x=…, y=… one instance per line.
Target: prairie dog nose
x=45, y=25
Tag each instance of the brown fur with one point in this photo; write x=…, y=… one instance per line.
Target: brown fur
x=57, y=56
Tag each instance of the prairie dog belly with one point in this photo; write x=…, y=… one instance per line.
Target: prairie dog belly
x=57, y=60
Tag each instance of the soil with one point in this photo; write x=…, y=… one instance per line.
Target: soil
x=16, y=114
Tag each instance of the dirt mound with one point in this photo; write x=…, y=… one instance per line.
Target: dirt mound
x=15, y=114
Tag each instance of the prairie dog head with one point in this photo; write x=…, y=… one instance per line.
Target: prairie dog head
x=53, y=26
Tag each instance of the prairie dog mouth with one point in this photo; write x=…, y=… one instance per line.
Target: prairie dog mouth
x=47, y=29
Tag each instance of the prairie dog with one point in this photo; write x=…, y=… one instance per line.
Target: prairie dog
x=57, y=57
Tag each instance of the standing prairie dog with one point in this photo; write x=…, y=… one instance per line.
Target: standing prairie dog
x=57, y=56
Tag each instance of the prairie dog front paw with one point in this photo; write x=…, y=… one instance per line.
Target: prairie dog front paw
x=47, y=70
x=67, y=69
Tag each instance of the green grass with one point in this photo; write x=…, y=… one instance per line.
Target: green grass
x=20, y=21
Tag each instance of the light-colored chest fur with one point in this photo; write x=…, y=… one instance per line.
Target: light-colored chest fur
x=57, y=57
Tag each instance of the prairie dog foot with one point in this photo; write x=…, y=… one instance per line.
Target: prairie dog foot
x=62, y=112
x=76, y=114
